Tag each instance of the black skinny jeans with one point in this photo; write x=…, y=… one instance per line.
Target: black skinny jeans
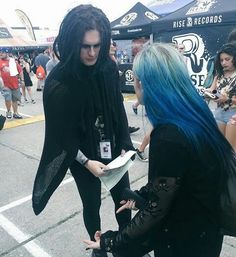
x=89, y=188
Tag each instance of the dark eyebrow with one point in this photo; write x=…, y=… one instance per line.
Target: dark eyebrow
x=87, y=46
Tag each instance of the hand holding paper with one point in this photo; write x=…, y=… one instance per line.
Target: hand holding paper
x=116, y=169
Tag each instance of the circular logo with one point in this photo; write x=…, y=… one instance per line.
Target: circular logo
x=151, y=15
x=129, y=76
x=128, y=18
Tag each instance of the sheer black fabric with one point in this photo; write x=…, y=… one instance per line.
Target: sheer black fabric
x=71, y=107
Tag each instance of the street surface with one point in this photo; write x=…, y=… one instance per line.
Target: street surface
x=58, y=231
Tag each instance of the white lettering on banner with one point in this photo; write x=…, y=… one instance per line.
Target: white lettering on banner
x=201, y=6
x=190, y=22
x=194, y=51
x=134, y=30
x=207, y=20
x=179, y=24
x=115, y=32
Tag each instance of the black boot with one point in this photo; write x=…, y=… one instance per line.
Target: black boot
x=98, y=253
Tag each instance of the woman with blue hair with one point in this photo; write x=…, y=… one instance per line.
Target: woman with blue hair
x=189, y=161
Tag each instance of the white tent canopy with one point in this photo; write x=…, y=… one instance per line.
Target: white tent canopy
x=8, y=38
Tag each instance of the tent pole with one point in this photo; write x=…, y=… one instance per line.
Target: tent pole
x=151, y=38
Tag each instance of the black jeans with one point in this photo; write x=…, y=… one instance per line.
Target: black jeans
x=89, y=188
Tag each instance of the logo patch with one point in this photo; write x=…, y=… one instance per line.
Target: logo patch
x=128, y=19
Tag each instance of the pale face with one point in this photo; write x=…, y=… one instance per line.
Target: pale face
x=112, y=49
x=138, y=90
x=3, y=55
x=90, y=47
x=181, y=48
x=226, y=62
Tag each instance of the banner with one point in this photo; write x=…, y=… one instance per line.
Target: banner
x=200, y=45
x=26, y=22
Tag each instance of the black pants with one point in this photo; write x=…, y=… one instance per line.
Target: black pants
x=89, y=188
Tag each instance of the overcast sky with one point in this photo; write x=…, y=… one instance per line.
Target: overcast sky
x=49, y=13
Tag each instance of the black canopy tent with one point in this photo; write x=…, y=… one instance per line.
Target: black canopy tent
x=164, y=8
x=134, y=23
x=131, y=30
x=203, y=27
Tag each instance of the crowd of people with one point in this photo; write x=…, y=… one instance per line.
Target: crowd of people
x=16, y=72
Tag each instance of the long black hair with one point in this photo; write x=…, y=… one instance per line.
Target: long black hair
x=230, y=49
x=76, y=23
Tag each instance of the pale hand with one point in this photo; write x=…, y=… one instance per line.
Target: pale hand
x=122, y=153
x=96, y=168
x=221, y=99
x=130, y=204
x=91, y=244
x=233, y=120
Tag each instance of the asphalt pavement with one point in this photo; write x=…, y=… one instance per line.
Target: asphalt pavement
x=58, y=231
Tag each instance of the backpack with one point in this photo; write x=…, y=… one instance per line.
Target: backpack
x=40, y=73
x=2, y=121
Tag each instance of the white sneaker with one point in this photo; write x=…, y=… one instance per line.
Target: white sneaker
x=141, y=155
x=9, y=115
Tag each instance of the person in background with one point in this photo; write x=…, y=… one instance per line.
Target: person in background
x=189, y=162
x=42, y=60
x=112, y=53
x=135, y=107
x=27, y=80
x=140, y=151
x=224, y=85
x=211, y=62
x=12, y=74
x=181, y=49
x=232, y=36
x=27, y=59
x=86, y=123
x=51, y=63
x=33, y=55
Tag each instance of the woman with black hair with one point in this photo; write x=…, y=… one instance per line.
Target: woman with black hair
x=83, y=113
x=224, y=86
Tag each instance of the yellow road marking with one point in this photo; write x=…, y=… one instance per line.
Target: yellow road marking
x=25, y=121
x=15, y=123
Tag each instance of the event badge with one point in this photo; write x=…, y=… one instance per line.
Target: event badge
x=105, y=149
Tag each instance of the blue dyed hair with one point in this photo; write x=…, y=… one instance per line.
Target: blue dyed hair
x=170, y=98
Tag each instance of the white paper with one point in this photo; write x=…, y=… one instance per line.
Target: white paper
x=12, y=67
x=116, y=169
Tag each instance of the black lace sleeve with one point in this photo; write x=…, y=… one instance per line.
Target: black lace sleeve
x=161, y=193
x=143, y=191
x=167, y=166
